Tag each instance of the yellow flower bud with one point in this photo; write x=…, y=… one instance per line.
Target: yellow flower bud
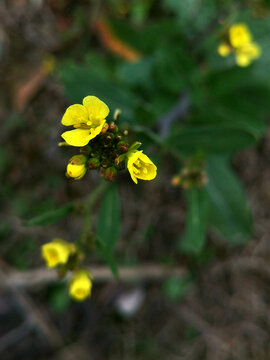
x=77, y=167
x=57, y=252
x=80, y=285
x=140, y=166
x=224, y=49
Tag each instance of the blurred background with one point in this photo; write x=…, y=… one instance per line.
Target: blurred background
x=202, y=119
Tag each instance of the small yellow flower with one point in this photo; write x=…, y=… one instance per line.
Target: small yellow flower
x=87, y=119
x=239, y=35
x=76, y=167
x=140, y=166
x=57, y=252
x=247, y=53
x=241, y=45
x=224, y=49
x=80, y=285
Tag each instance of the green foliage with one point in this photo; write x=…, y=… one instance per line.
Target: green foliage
x=227, y=106
x=194, y=237
x=51, y=216
x=21, y=255
x=79, y=81
x=58, y=298
x=229, y=212
x=210, y=139
x=108, y=226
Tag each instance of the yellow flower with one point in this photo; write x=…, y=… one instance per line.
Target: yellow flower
x=239, y=35
x=76, y=167
x=87, y=119
x=247, y=53
x=80, y=285
x=140, y=166
x=57, y=252
x=224, y=49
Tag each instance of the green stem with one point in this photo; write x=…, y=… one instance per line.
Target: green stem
x=89, y=203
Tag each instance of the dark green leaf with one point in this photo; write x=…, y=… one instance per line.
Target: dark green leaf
x=229, y=211
x=210, y=139
x=109, y=221
x=59, y=298
x=107, y=256
x=51, y=216
x=80, y=81
x=196, y=221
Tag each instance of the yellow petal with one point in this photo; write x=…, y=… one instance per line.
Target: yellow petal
x=251, y=50
x=80, y=285
x=242, y=60
x=77, y=137
x=146, y=159
x=132, y=157
x=56, y=252
x=97, y=109
x=239, y=35
x=96, y=130
x=75, y=114
x=148, y=173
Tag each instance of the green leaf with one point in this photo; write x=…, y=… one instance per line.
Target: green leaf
x=192, y=15
x=229, y=213
x=210, y=139
x=107, y=256
x=138, y=73
x=196, y=222
x=52, y=216
x=108, y=224
x=59, y=298
x=80, y=81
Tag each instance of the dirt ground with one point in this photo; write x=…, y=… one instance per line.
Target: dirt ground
x=224, y=315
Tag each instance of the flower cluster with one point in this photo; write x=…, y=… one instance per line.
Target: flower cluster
x=101, y=144
x=101, y=147
x=191, y=175
x=65, y=256
x=238, y=41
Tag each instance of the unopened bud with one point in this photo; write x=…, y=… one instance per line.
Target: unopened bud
x=121, y=166
x=112, y=127
x=110, y=173
x=108, y=138
x=76, y=167
x=85, y=150
x=122, y=147
x=104, y=129
x=176, y=180
x=105, y=163
x=116, y=114
x=93, y=163
x=118, y=137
